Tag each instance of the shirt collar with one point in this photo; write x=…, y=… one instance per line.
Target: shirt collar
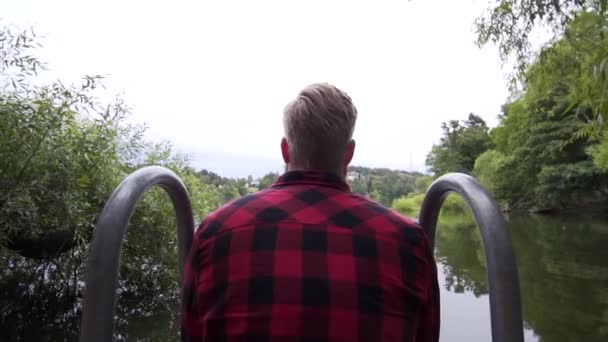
x=312, y=178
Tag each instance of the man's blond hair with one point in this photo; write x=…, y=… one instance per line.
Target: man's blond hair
x=319, y=124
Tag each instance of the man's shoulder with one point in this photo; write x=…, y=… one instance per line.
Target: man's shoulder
x=234, y=213
x=383, y=219
x=362, y=202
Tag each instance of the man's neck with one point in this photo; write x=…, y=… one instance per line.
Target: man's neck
x=289, y=167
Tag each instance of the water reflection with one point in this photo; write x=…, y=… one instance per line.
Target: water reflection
x=42, y=301
x=563, y=268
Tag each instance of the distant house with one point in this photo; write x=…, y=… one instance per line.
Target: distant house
x=351, y=176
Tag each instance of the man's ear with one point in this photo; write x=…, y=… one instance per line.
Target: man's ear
x=285, y=150
x=350, y=152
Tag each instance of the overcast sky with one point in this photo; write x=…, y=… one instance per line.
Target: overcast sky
x=214, y=76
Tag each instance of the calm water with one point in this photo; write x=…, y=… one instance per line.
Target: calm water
x=563, y=268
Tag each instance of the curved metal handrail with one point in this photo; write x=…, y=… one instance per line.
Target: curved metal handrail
x=503, y=281
x=100, y=293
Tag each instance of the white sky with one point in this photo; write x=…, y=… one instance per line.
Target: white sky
x=213, y=76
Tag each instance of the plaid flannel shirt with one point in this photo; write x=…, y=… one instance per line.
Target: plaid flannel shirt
x=308, y=260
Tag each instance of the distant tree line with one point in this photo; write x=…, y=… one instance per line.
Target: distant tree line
x=381, y=184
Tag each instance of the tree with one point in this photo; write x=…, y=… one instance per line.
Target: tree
x=392, y=186
x=423, y=183
x=267, y=180
x=209, y=177
x=381, y=184
x=359, y=186
x=228, y=192
x=58, y=166
x=576, y=56
x=541, y=166
x=496, y=172
x=549, y=141
x=461, y=143
x=63, y=153
x=509, y=24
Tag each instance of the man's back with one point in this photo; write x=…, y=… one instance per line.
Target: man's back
x=307, y=260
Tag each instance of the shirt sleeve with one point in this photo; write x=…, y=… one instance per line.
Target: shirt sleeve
x=428, y=320
x=190, y=326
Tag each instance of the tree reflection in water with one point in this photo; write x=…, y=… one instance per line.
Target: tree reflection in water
x=458, y=248
x=563, y=269
x=42, y=301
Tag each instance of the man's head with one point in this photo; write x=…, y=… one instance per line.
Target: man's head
x=319, y=126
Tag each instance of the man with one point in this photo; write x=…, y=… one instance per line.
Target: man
x=306, y=259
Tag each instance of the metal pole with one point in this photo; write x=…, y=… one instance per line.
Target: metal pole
x=104, y=252
x=503, y=281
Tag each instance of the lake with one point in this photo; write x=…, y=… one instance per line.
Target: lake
x=563, y=272
x=563, y=269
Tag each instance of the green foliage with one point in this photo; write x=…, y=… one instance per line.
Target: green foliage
x=58, y=166
x=454, y=204
x=209, y=177
x=510, y=23
x=575, y=60
x=538, y=161
x=203, y=197
x=460, y=144
x=599, y=153
x=572, y=182
x=231, y=188
x=423, y=183
x=382, y=185
x=487, y=168
x=267, y=180
x=228, y=192
x=546, y=152
x=410, y=205
x=576, y=63
x=62, y=156
x=149, y=264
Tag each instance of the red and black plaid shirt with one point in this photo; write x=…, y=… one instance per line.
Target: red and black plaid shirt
x=308, y=260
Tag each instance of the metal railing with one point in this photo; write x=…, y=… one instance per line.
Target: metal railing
x=503, y=280
x=104, y=253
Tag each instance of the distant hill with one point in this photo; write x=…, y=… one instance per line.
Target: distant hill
x=380, y=171
x=382, y=184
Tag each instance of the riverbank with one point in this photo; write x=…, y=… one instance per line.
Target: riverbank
x=410, y=205
x=454, y=204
